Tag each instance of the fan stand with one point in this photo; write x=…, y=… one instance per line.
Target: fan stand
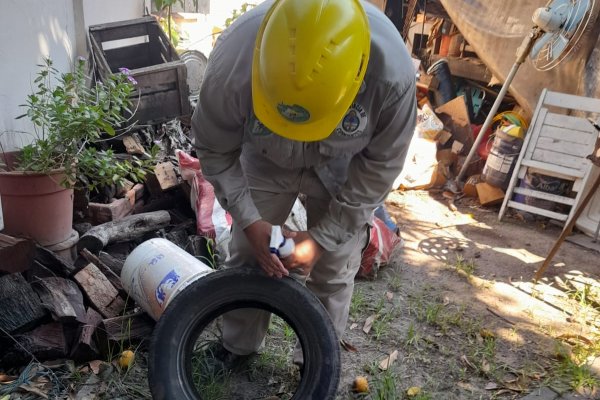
x=522, y=53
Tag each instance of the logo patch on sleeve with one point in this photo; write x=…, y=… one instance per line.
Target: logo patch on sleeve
x=354, y=122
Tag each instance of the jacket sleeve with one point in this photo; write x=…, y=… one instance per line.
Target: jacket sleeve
x=371, y=172
x=218, y=129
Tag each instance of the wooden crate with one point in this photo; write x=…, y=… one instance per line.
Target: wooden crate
x=141, y=46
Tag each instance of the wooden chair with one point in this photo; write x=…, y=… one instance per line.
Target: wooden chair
x=557, y=143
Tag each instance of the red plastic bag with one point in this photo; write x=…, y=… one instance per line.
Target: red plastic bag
x=211, y=219
x=382, y=242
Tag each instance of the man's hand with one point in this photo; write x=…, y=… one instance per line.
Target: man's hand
x=306, y=253
x=259, y=236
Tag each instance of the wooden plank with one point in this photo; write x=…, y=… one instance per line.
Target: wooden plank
x=160, y=106
x=121, y=30
x=573, y=102
x=114, y=279
x=546, y=196
x=85, y=347
x=568, y=135
x=128, y=327
x=21, y=307
x=537, y=210
x=16, y=254
x=554, y=170
x=133, y=57
x=99, y=291
x=562, y=146
x=565, y=160
x=569, y=122
x=62, y=298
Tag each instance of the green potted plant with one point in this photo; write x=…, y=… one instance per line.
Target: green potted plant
x=69, y=117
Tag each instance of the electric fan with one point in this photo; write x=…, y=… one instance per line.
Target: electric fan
x=557, y=29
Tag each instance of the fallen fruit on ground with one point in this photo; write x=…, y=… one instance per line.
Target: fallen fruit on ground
x=126, y=359
x=361, y=385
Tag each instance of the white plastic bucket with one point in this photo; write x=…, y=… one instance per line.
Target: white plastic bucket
x=156, y=271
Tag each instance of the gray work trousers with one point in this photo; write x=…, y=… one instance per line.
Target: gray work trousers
x=332, y=278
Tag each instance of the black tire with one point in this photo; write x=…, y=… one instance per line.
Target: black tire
x=169, y=374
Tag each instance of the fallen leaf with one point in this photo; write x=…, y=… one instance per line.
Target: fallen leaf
x=413, y=391
x=369, y=323
x=485, y=366
x=348, y=346
x=491, y=386
x=95, y=366
x=466, y=361
x=446, y=300
x=388, y=361
x=389, y=295
x=353, y=326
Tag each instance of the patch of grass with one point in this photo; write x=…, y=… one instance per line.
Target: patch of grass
x=412, y=336
x=210, y=380
x=386, y=385
x=432, y=313
x=382, y=324
x=464, y=266
x=358, y=303
x=573, y=366
x=395, y=284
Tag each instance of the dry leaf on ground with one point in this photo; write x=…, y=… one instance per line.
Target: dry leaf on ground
x=369, y=323
x=388, y=361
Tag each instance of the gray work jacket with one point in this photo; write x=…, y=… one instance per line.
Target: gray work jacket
x=357, y=163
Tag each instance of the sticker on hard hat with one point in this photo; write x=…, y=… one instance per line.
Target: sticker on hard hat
x=354, y=122
x=293, y=113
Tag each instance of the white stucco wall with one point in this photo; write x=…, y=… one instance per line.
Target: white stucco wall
x=103, y=11
x=31, y=30
x=34, y=29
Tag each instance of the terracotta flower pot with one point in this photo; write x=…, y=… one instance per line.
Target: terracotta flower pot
x=36, y=205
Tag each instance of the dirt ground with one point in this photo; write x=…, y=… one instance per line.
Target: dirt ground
x=455, y=313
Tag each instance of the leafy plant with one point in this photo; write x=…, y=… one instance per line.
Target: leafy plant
x=68, y=117
x=237, y=13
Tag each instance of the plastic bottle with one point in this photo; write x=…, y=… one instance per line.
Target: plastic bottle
x=280, y=245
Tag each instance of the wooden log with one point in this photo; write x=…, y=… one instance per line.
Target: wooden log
x=45, y=342
x=54, y=262
x=16, y=254
x=100, y=292
x=85, y=347
x=113, y=278
x=19, y=304
x=133, y=145
x=125, y=229
x=62, y=298
x=115, y=264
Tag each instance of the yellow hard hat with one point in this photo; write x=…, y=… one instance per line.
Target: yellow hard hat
x=309, y=61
